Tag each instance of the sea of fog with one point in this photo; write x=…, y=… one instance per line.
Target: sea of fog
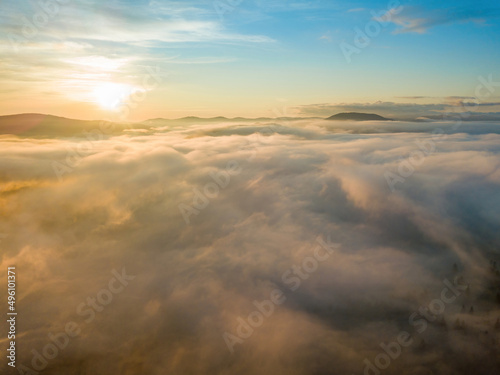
x=297, y=247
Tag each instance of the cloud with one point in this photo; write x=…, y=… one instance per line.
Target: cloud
x=132, y=24
x=326, y=37
x=356, y=10
x=119, y=207
x=414, y=97
x=406, y=111
x=418, y=20
x=84, y=43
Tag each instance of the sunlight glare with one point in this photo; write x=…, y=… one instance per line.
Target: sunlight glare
x=111, y=95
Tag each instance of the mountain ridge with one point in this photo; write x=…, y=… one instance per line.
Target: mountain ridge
x=357, y=116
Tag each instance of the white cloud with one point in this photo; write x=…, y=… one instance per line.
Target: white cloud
x=418, y=20
x=119, y=208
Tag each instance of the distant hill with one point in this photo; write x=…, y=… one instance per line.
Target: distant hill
x=193, y=119
x=38, y=125
x=355, y=116
x=35, y=125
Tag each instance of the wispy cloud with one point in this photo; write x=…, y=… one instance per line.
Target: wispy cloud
x=356, y=10
x=403, y=111
x=88, y=42
x=419, y=20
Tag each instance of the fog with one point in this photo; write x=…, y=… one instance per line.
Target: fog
x=208, y=218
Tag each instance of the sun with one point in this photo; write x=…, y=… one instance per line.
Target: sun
x=110, y=96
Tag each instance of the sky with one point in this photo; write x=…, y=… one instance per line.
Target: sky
x=137, y=60
x=369, y=230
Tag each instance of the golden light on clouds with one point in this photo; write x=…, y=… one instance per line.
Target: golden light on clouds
x=249, y=187
x=98, y=62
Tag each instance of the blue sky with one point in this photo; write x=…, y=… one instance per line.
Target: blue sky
x=257, y=58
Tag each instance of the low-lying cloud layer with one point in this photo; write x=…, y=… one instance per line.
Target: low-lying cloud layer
x=446, y=109
x=119, y=205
